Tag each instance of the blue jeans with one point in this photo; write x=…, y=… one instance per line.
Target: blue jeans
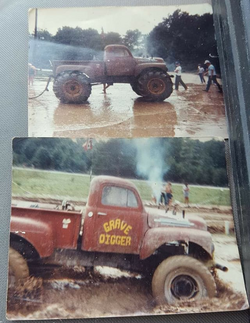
x=209, y=82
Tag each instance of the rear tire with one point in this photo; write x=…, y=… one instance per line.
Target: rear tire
x=154, y=85
x=72, y=87
x=181, y=278
x=18, y=268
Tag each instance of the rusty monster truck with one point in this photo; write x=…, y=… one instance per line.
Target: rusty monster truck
x=117, y=231
x=148, y=76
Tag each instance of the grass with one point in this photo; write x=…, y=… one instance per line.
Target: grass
x=35, y=183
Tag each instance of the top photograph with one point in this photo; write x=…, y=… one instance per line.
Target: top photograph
x=108, y=72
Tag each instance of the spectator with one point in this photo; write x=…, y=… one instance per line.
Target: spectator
x=185, y=191
x=31, y=73
x=201, y=73
x=178, y=79
x=168, y=195
x=211, y=76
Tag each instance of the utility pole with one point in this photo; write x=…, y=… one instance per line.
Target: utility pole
x=35, y=40
x=35, y=31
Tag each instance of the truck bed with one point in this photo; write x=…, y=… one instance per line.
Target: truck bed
x=60, y=228
x=94, y=67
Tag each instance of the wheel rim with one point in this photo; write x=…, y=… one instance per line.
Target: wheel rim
x=156, y=86
x=183, y=287
x=73, y=88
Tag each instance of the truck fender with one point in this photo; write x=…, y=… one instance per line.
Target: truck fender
x=37, y=233
x=140, y=68
x=156, y=237
x=73, y=68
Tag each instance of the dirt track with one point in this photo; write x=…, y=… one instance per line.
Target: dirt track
x=75, y=295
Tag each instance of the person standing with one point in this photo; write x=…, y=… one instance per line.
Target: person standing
x=201, y=73
x=211, y=76
x=32, y=73
x=185, y=191
x=178, y=79
x=169, y=195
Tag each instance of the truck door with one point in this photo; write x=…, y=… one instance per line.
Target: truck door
x=119, y=62
x=117, y=222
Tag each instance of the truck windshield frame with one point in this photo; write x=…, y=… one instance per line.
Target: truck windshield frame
x=116, y=196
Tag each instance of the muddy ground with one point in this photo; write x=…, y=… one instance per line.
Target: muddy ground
x=110, y=292
x=107, y=292
x=121, y=113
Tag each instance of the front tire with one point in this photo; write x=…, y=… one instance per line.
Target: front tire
x=181, y=278
x=72, y=87
x=18, y=268
x=154, y=85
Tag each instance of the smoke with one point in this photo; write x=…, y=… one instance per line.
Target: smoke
x=41, y=52
x=151, y=163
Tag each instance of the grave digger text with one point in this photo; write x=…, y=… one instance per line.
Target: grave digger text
x=112, y=239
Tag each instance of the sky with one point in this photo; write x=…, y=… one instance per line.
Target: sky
x=117, y=19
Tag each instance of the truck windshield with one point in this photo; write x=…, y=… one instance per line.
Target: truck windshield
x=118, y=196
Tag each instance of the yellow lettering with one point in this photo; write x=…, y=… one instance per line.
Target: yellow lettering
x=101, y=238
x=128, y=241
x=107, y=238
x=106, y=227
x=123, y=225
x=117, y=223
x=118, y=240
x=112, y=240
x=123, y=241
x=127, y=229
x=111, y=225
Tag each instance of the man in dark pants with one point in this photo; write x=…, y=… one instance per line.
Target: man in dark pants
x=211, y=76
x=178, y=78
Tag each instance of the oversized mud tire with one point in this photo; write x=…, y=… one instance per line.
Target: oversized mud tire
x=154, y=85
x=135, y=88
x=18, y=268
x=72, y=87
x=181, y=278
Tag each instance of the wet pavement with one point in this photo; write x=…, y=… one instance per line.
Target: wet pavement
x=121, y=113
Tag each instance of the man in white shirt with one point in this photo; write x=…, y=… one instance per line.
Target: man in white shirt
x=211, y=76
x=201, y=73
x=178, y=78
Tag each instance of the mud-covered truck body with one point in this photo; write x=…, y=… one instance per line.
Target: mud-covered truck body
x=148, y=76
x=116, y=230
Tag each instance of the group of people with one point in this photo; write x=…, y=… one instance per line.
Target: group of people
x=210, y=72
x=167, y=195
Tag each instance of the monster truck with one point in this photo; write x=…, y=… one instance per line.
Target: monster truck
x=148, y=76
x=117, y=231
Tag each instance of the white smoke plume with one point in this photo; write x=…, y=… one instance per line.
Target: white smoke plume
x=151, y=163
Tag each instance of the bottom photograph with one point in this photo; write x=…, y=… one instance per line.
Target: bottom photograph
x=121, y=227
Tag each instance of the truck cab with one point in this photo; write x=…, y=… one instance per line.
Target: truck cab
x=115, y=219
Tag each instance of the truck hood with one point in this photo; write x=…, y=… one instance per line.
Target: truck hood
x=158, y=218
x=141, y=60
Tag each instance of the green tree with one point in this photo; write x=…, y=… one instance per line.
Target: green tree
x=44, y=35
x=111, y=38
x=42, y=159
x=132, y=39
x=184, y=37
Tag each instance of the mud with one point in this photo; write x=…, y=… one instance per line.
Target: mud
x=70, y=294
x=121, y=113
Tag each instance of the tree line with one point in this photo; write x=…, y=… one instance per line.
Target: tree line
x=179, y=37
x=182, y=160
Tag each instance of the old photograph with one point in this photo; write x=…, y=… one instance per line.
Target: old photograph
x=121, y=227
x=124, y=72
